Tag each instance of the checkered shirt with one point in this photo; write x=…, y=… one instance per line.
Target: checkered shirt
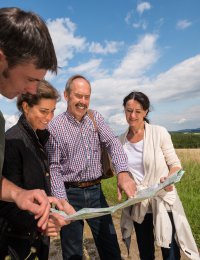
x=74, y=150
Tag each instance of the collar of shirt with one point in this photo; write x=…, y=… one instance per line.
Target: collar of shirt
x=72, y=119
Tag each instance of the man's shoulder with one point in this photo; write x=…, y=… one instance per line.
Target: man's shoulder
x=93, y=111
x=96, y=114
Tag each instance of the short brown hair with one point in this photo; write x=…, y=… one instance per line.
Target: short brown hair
x=24, y=37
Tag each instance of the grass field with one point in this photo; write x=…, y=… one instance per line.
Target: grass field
x=186, y=140
x=188, y=188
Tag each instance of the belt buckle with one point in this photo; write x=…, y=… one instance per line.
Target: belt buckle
x=84, y=184
x=79, y=184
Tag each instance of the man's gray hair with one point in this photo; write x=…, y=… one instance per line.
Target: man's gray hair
x=71, y=79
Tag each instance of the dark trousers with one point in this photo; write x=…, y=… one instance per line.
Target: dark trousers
x=102, y=227
x=145, y=240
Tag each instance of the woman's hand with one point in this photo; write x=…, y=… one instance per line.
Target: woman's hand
x=56, y=221
x=54, y=225
x=169, y=187
x=162, y=179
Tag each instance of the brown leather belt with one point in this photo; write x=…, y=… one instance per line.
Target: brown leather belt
x=84, y=184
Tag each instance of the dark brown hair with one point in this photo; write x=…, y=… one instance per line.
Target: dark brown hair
x=140, y=98
x=24, y=38
x=44, y=90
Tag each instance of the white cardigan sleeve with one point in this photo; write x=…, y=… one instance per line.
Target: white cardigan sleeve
x=168, y=150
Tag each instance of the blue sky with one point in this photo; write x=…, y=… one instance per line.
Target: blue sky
x=125, y=45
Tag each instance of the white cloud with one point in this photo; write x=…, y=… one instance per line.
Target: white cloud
x=110, y=47
x=92, y=64
x=128, y=17
x=183, y=24
x=179, y=83
x=144, y=6
x=61, y=106
x=139, y=58
x=132, y=18
x=192, y=114
x=10, y=120
x=92, y=67
x=187, y=118
x=141, y=24
x=181, y=121
x=62, y=31
x=118, y=119
x=8, y=100
x=118, y=123
x=182, y=80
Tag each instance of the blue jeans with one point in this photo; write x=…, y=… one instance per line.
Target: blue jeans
x=145, y=240
x=102, y=227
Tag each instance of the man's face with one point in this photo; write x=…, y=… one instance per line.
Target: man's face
x=78, y=98
x=19, y=79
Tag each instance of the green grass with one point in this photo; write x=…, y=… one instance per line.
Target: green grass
x=186, y=140
x=109, y=187
x=188, y=190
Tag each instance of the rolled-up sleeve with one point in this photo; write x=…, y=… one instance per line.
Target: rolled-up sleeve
x=53, y=150
x=113, y=145
x=169, y=152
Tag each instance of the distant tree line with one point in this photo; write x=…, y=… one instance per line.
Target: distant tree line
x=186, y=140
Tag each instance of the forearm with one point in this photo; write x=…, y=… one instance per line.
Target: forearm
x=8, y=190
x=174, y=169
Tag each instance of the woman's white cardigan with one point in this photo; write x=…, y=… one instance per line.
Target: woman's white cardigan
x=158, y=157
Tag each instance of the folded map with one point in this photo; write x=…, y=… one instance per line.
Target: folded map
x=141, y=195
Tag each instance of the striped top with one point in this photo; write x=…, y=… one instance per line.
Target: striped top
x=74, y=150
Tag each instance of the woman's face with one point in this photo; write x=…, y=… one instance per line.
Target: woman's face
x=135, y=113
x=39, y=115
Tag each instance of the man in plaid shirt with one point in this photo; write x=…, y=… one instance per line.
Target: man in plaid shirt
x=74, y=149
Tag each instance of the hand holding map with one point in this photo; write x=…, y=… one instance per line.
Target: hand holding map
x=141, y=195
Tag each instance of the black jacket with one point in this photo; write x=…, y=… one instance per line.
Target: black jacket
x=26, y=165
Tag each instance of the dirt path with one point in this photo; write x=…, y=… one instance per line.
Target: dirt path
x=90, y=247
x=90, y=252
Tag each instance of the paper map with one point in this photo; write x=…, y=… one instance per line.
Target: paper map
x=141, y=195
